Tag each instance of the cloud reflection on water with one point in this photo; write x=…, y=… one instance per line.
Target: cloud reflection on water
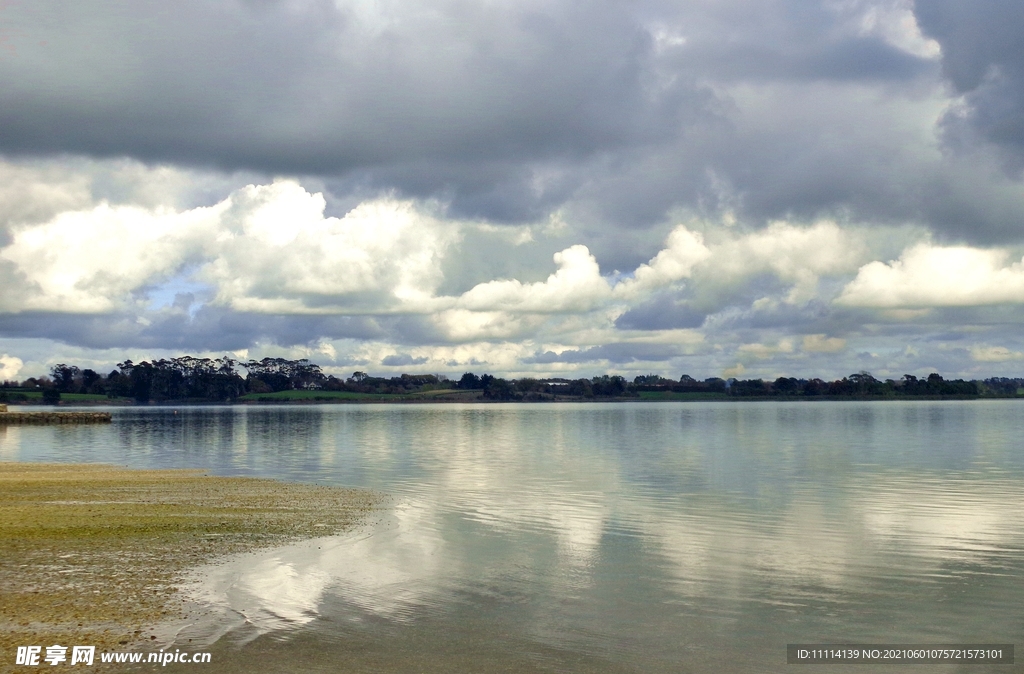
x=610, y=530
x=502, y=511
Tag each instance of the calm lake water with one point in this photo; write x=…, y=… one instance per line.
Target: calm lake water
x=659, y=537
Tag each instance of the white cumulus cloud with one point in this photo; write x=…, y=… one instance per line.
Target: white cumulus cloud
x=577, y=286
x=90, y=261
x=994, y=354
x=683, y=251
x=822, y=344
x=796, y=255
x=758, y=350
x=938, y=276
x=277, y=253
x=266, y=248
x=10, y=366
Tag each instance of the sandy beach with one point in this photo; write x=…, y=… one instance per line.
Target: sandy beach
x=93, y=554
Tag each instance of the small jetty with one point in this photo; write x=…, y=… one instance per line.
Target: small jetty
x=52, y=417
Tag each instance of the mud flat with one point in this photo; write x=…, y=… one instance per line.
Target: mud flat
x=93, y=554
x=52, y=417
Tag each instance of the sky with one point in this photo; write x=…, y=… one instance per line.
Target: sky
x=728, y=188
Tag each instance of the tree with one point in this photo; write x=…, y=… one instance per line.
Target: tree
x=748, y=387
x=470, y=381
x=613, y=385
x=715, y=384
x=91, y=381
x=140, y=379
x=786, y=385
x=581, y=387
x=815, y=387
x=529, y=385
x=498, y=389
x=281, y=374
x=64, y=377
x=864, y=383
x=118, y=385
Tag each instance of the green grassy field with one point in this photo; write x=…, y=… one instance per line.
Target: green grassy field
x=470, y=394
x=37, y=397
x=339, y=396
x=671, y=395
x=307, y=396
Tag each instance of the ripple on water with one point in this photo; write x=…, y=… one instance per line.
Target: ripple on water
x=608, y=537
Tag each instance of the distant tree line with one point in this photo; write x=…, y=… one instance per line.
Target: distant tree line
x=185, y=378
x=188, y=378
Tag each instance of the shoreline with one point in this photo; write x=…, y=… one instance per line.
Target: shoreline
x=438, y=400
x=93, y=554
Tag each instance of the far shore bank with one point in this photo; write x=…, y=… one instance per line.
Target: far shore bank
x=93, y=554
x=445, y=400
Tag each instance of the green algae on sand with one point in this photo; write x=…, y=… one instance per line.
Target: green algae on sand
x=91, y=554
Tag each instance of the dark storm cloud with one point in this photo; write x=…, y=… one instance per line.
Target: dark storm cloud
x=505, y=110
x=809, y=55
x=501, y=189
x=308, y=87
x=982, y=57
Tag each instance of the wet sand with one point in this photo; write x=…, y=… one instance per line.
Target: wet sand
x=93, y=554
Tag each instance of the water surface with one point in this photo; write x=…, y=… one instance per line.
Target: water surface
x=662, y=537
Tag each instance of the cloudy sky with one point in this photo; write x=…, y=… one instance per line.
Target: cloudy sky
x=742, y=188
